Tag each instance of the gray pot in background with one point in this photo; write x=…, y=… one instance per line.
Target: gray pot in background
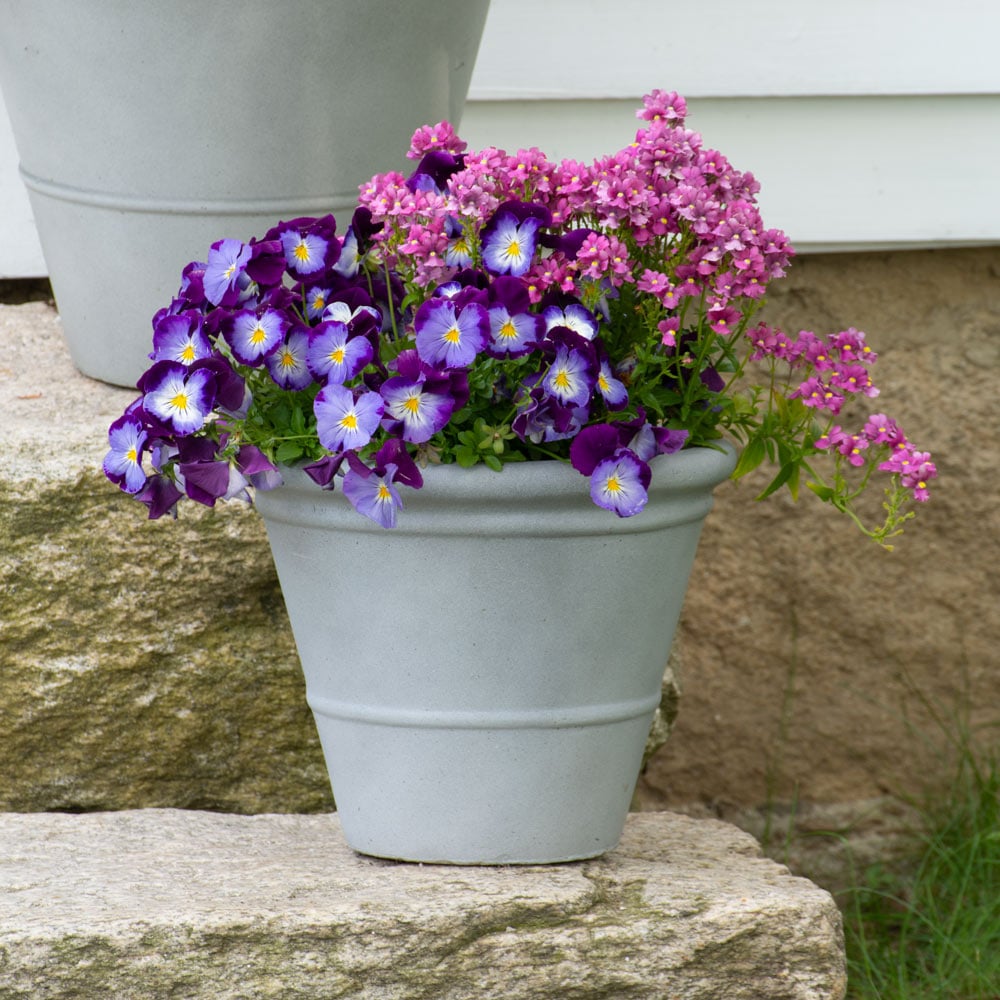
x=147, y=130
x=483, y=676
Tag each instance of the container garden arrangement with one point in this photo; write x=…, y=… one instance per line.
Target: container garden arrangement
x=483, y=421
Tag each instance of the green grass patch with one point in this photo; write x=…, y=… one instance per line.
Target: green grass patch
x=929, y=929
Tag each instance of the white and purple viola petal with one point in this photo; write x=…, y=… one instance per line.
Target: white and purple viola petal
x=373, y=495
x=412, y=412
x=620, y=483
x=512, y=334
x=333, y=355
x=180, y=398
x=180, y=337
x=574, y=316
x=288, y=364
x=448, y=337
x=350, y=257
x=224, y=270
x=253, y=337
x=508, y=245
x=344, y=423
x=611, y=389
x=305, y=253
x=123, y=462
x=569, y=378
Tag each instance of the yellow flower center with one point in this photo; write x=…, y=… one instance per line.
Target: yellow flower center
x=508, y=331
x=412, y=404
x=180, y=401
x=187, y=355
x=561, y=380
x=453, y=336
x=349, y=421
x=301, y=252
x=383, y=492
x=613, y=485
x=287, y=359
x=258, y=335
x=132, y=455
x=337, y=355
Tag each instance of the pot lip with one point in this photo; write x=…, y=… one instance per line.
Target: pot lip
x=689, y=470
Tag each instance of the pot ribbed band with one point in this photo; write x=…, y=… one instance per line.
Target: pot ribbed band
x=278, y=207
x=533, y=718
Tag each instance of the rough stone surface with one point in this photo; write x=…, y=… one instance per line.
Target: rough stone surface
x=141, y=663
x=158, y=903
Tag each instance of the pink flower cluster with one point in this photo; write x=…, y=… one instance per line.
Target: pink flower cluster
x=837, y=367
x=664, y=212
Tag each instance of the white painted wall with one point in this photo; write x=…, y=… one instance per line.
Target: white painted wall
x=869, y=123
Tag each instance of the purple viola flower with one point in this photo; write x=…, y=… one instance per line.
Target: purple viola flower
x=304, y=252
x=569, y=378
x=574, y=316
x=361, y=318
x=593, y=445
x=253, y=337
x=258, y=468
x=160, y=496
x=231, y=392
x=349, y=260
x=433, y=171
x=459, y=252
x=324, y=470
x=450, y=338
x=317, y=299
x=335, y=356
x=309, y=245
x=225, y=272
x=620, y=483
x=541, y=418
x=372, y=494
x=267, y=263
x=611, y=389
x=179, y=397
x=508, y=245
x=412, y=411
x=343, y=422
x=394, y=452
x=123, y=462
x=288, y=365
x=210, y=479
x=512, y=334
x=180, y=337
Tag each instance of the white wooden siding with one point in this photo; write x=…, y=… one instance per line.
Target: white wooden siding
x=869, y=123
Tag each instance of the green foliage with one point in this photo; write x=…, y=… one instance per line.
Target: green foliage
x=933, y=932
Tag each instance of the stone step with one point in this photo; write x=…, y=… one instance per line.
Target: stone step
x=170, y=903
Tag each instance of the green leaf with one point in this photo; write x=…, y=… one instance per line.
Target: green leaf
x=288, y=451
x=493, y=462
x=751, y=456
x=825, y=493
x=784, y=475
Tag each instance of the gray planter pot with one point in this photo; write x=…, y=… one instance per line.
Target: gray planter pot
x=148, y=130
x=483, y=677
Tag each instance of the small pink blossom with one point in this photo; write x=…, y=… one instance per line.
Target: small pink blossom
x=433, y=137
